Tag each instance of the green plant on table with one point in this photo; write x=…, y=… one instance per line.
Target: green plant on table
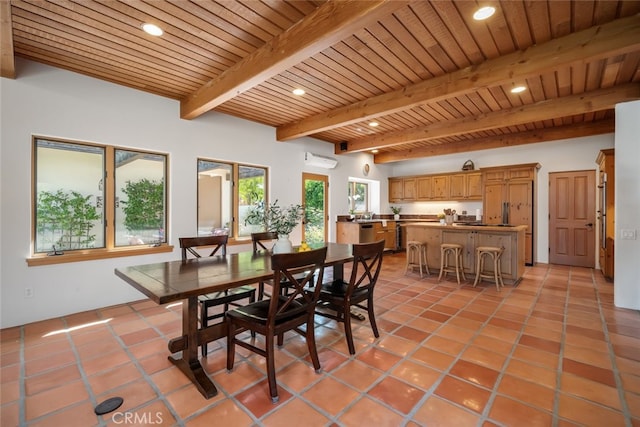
x=274, y=217
x=396, y=209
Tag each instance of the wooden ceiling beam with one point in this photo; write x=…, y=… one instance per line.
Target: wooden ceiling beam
x=7, y=60
x=329, y=24
x=614, y=38
x=588, y=102
x=502, y=141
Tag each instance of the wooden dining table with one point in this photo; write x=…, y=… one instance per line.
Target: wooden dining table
x=171, y=281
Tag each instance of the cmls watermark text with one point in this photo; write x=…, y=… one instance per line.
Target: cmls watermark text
x=135, y=418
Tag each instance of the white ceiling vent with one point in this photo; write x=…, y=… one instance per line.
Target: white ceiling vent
x=311, y=159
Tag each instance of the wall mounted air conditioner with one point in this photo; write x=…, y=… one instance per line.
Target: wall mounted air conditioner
x=311, y=159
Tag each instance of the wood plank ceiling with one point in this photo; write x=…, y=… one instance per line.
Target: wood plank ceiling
x=435, y=80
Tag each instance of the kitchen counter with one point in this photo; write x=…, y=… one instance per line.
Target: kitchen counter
x=471, y=236
x=468, y=226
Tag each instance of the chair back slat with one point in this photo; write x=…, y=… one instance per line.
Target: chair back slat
x=188, y=245
x=259, y=239
x=367, y=262
x=287, y=268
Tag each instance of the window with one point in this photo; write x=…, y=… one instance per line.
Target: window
x=220, y=201
x=92, y=199
x=358, y=197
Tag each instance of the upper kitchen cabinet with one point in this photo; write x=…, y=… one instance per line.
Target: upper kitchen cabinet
x=409, y=189
x=402, y=189
x=466, y=186
x=440, y=187
x=395, y=190
x=509, y=194
x=461, y=186
x=424, y=187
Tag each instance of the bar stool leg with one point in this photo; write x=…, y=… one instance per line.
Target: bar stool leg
x=498, y=270
x=443, y=255
x=406, y=268
x=478, y=268
x=424, y=258
x=461, y=264
x=457, y=257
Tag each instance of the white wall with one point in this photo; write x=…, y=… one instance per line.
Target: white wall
x=627, y=252
x=564, y=155
x=52, y=102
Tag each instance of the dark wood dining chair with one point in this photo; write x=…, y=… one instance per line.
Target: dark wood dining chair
x=259, y=242
x=281, y=313
x=337, y=298
x=217, y=245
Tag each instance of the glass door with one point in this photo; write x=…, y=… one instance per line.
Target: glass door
x=315, y=201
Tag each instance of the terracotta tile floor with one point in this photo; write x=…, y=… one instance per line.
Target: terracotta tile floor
x=553, y=351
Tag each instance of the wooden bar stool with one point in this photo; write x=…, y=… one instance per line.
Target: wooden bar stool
x=416, y=256
x=496, y=275
x=454, y=249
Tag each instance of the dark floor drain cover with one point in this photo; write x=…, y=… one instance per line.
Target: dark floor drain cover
x=108, y=405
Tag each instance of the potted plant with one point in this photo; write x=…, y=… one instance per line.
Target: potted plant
x=396, y=212
x=276, y=218
x=441, y=218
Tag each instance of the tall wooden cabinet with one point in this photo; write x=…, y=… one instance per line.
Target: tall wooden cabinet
x=606, y=225
x=508, y=198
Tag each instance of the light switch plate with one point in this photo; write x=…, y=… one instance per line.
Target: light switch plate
x=628, y=234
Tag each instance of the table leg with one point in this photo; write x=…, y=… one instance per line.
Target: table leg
x=188, y=362
x=338, y=271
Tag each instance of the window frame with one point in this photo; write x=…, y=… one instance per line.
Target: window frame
x=234, y=230
x=110, y=250
x=367, y=202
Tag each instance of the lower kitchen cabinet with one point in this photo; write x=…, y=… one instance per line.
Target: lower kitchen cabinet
x=365, y=232
x=386, y=232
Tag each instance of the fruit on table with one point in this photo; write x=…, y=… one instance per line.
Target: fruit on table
x=304, y=247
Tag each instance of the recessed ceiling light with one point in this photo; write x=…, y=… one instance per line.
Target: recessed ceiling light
x=374, y=151
x=484, y=13
x=152, y=29
x=518, y=89
x=298, y=92
x=373, y=124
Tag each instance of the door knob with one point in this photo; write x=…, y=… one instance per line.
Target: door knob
x=589, y=225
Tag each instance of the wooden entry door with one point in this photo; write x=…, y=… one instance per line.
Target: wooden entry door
x=572, y=199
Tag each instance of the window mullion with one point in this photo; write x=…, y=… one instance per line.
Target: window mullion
x=236, y=200
x=110, y=198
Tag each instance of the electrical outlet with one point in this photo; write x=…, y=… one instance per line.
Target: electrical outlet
x=628, y=234
x=28, y=292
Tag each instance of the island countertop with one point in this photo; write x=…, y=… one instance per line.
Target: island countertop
x=510, y=238
x=466, y=226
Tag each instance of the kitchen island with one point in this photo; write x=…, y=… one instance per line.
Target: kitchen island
x=470, y=236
